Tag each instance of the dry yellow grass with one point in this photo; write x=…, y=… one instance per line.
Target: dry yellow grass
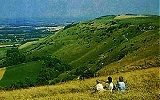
x=27, y=44
x=2, y=71
x=127, y=16
x=141, y=85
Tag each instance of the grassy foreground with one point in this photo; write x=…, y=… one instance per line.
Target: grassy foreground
x=141, y=85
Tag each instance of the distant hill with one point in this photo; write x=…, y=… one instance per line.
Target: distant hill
x=105, y=46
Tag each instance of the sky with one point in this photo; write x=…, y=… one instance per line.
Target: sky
x=75, y=8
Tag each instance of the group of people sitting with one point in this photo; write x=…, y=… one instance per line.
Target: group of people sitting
x=120, y=85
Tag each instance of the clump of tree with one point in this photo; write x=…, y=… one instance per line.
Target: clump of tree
x=21, y=84
x=52, y=68
x=55, y=71
x=14, y=57
x=84, y=71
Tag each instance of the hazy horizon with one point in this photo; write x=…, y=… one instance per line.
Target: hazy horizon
x=74, y=8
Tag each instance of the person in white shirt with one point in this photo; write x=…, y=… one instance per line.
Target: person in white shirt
x=99, y=86
x=110, y=87
x=109, y=83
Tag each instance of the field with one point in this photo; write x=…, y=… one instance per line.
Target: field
x=17, y=73
x=127, y=16
x=2, y=71
x=26, y=44
x=141, y=85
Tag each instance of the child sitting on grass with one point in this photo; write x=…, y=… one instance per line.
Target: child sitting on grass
x=99, y=87
x=110, y=84
x=120, y=84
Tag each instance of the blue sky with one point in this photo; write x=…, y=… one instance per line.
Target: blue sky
x=75, y=8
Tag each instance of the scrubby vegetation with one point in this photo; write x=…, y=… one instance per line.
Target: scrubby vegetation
x=52, y=68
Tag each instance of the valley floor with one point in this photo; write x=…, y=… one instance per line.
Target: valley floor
x=141, y=85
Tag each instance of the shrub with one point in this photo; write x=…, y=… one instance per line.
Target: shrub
x=53, y=67
x=14, y=57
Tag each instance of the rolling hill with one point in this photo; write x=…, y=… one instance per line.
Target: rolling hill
x=102, y=41
x=105, y=45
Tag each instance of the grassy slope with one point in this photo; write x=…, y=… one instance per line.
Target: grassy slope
x=139, y=59
x=141, y=85
x=86, y=42
x=20, y=72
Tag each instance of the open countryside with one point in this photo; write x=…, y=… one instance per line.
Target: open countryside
x=130, y=49
x=79, y=50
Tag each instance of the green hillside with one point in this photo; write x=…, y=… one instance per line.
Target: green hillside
x=102, y=41
x=103, y=46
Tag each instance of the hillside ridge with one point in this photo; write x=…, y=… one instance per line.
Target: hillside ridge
x=102, y=46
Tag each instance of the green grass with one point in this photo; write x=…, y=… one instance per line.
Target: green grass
x=17, y=73
x=86, y=41
x=103, y=40
x=144, y=57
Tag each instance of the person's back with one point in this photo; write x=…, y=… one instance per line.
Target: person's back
x=121, y=85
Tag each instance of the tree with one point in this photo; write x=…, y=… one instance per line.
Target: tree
x=14, y=57
x=84, y=72
x=52, y=68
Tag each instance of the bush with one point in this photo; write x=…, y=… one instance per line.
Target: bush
x=14, y=57
x=54, y=81
x=20, y=84
x=53, y=67
x=70, y=25
x=84, y=72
